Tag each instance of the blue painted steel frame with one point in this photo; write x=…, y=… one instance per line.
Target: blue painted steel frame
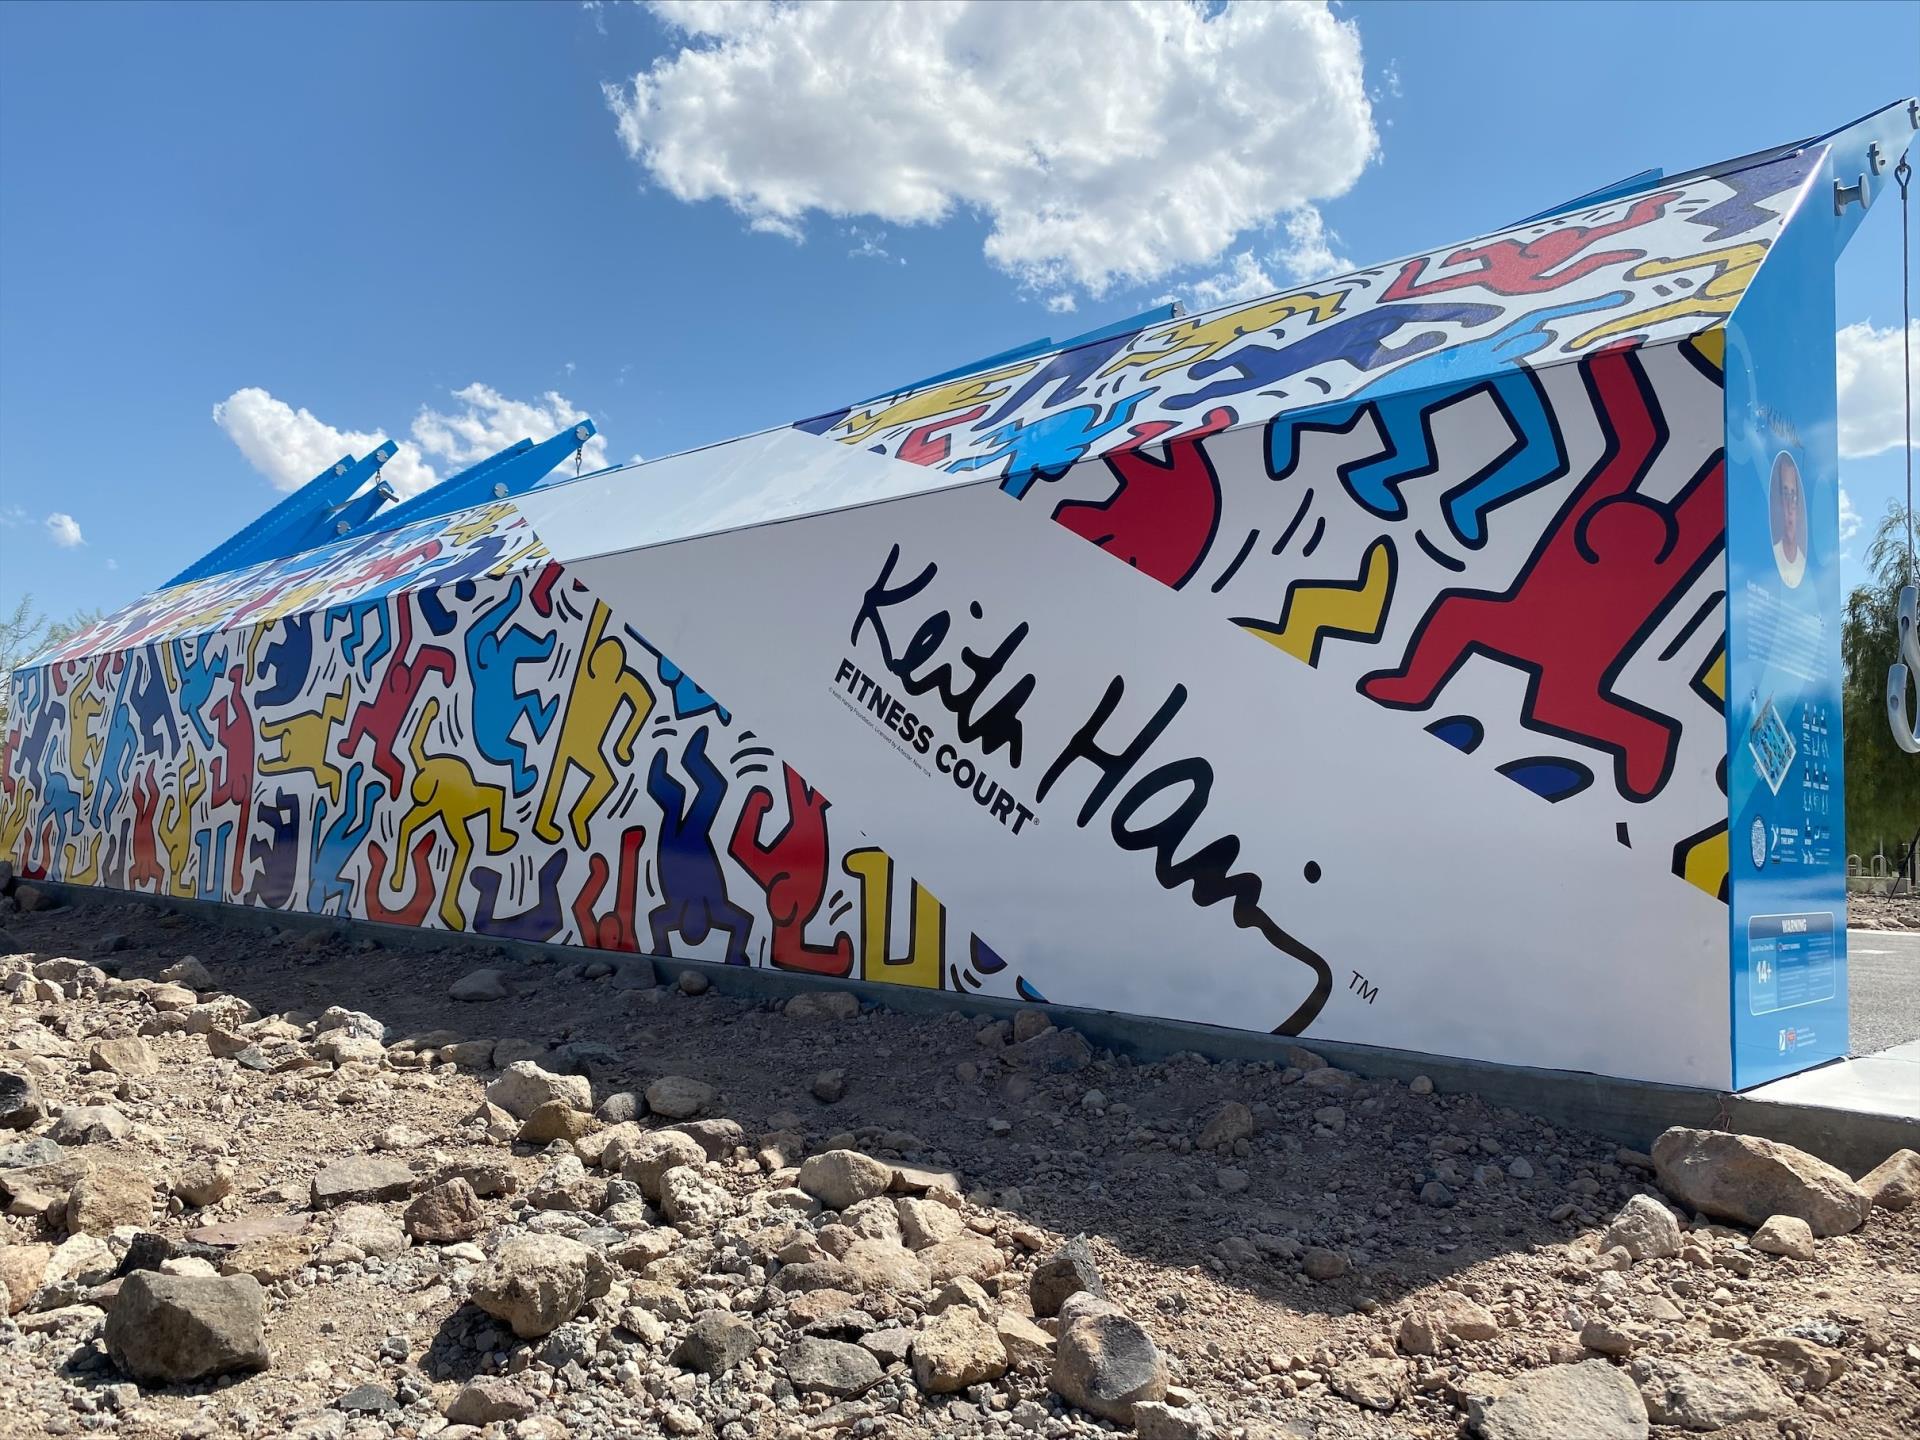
x=266, y=538
x=512, y=471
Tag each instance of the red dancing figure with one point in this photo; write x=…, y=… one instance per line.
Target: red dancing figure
x=615, y=930
x=146, y=857
x=1611, y=564
x=1532, y=267
x=793, y=872
x=382, y=716
x=1162, y=518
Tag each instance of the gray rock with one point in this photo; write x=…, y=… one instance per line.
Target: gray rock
x=678, y=1097
x=822, y=1005
x=130, y=1056
x=1105, y=1364
x=689, y=1196
x=446, y=1213
x=830, y=1086
x=621, y=1107
x=1324, y=1264
x=203, y=1182
x=26, y=1154
x=486, y=983
x=647, y=1158
x=1748, y=1179
x=367, y=1400
x=173, y=1328
x=1645, y=1229
x=830, y=1367
x=1233, y=1121
x=1374, y=1383
x=1055, y=1052
x=1157, y=1420
x=839, y=1178
x=489, y=1398
x=109, y=1195
x=362, y=1178
x=1067, y=1271
x=1588, y=1401
x=358, y=1022
x=717, y=1341
x=20, y=1105
x=1786, y=1235
x=957, y=1348
x=188, y=971
x=693, y=982
x=539, y=1282
x=523, y=1087
x=1733, y=1388
x=90, y=1125
x=1893, y=1184
x=718, y=1138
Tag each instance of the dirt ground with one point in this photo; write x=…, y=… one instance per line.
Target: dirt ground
x=1881, y=912
x=1407, y=1202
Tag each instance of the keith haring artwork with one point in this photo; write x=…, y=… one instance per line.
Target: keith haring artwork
x=1316, y=665
x=491, y=751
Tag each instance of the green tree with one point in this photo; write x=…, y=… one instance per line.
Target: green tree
x=1883, y=781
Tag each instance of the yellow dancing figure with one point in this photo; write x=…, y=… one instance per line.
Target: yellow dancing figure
x=445, y=789
x=602, y=682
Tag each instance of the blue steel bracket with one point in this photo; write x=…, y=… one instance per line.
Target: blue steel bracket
x=337, y=520
x=511, y=472
x=266, y=537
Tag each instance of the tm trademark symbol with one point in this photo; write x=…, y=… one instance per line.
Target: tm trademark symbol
x=1359, y=986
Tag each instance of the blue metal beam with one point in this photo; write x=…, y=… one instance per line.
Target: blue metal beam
x=514, y=470
x=319, y=496
x=332, y=524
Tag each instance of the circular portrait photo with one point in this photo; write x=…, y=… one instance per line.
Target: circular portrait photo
x=1787, y=517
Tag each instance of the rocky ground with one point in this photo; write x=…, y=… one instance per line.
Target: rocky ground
x=265, y=1185
x=1883, y=912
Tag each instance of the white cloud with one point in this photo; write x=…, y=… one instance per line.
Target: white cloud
x=1244, y=278
x=112, y=564
x=1102, y=144
x=291, y=446
x=1062, y=304
x=1849, y=517
x=12, y=516
x=1872, y=413
x=64, y=530
x=1309, y=253
x=487, y=421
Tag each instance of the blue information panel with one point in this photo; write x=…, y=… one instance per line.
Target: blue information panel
x=1787, y=882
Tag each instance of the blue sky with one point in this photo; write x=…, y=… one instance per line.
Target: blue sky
x=422, y=219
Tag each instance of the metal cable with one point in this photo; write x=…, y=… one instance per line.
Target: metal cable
x=1902, y=174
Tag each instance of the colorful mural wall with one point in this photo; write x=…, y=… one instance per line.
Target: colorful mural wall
x=1349, y=663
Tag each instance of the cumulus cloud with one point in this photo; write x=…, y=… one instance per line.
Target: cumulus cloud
x=1849, y=517
x=485, y=421
x=291, y=446
x=64, y=530
x=1102, y=144
x=1872, y=413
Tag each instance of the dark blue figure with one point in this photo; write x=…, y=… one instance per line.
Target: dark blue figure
x=290, y=658
x=277, y=853
x=692, y=886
